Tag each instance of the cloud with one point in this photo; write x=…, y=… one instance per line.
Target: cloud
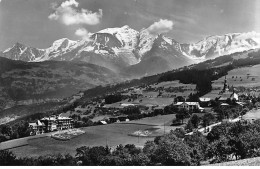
x=83, y=33
x=162, y=26
x=69, y=3
x=69, y=14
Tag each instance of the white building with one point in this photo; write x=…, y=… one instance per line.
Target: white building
x=189, y=105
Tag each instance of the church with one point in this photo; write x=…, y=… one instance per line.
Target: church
x=226, y=94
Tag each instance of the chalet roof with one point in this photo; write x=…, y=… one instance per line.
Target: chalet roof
x=56, y=118
x=204, y=99
x=234, y=96
x=224, y=104
x=103, y=122
x=63, y=118
x=188, y=103
x=128, y=104
x=240, y=103
x=49, y=118
x=38, y=123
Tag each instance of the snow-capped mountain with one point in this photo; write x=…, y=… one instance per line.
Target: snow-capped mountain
x=22, y=52
x=215, y=46
x=136, y=51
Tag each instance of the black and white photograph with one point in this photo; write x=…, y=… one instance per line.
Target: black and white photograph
x=130, y=83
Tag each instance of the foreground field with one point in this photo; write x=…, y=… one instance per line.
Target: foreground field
x=112, y=135
x=245, y=162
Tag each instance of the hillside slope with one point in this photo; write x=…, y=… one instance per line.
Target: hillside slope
x=25, y=81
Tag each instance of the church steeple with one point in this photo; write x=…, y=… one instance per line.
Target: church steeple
x=225, y=87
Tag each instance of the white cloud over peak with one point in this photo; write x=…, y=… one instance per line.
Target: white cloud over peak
x=69, y=3
x=83, y=33
x=162, y=26
x=69, y=14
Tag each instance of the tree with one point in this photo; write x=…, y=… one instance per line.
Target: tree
x=91, y=156
x=195, y=120
x=140, y=159
x=179, y=132
x=219, y=150
x=189, y=127
x=2, y=138
x=110, y=160
x=7, y=158
x=149, y=149
x=6, y=130
x=23, y=129
x=113, y=98
x=207, y=119
x=131, y=148
x=218, y=131
x=181, y=115
x=220, y=113
x=172, y=151
x=171, y=109
x=82, y=155
x=198, y=145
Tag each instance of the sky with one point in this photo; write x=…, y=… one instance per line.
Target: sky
x=38, y=23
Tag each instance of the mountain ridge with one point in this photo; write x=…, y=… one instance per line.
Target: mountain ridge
x=122, y=49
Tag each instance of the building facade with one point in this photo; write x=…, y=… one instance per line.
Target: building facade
x=52, y=123
x=189, y=106
x=37, y=128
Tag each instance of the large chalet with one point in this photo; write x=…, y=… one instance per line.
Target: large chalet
x=189, y=106
x=52, y=123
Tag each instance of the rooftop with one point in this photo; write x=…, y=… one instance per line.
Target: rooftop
x=189, y=103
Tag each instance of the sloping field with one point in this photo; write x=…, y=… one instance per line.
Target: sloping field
x=145, y=102
x=246, y=77
x=175, y=83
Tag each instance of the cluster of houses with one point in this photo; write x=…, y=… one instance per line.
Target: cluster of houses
x=225, y=95
x=52, y=123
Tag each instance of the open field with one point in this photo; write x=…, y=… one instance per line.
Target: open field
x=145, y=102
x=245, y=76
x=157, y=120
x=112, y=134
x=253, y=114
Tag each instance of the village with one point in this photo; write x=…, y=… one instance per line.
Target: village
x=159, y=99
